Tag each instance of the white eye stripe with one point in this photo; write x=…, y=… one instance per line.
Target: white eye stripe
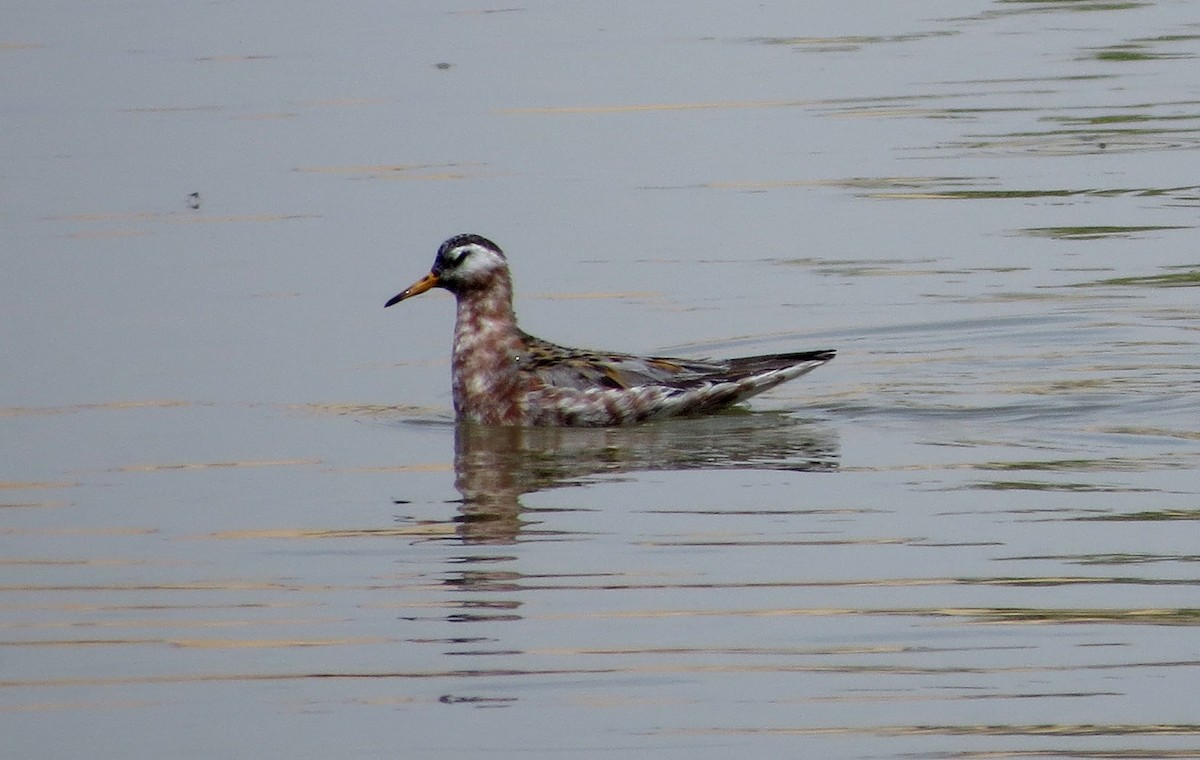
x=456, y=256
x=467, y=262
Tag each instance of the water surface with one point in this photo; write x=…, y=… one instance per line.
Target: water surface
x=238, y=518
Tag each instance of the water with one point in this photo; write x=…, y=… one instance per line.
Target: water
x=238, y=518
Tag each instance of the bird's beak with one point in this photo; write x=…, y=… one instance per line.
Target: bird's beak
x=417, y=288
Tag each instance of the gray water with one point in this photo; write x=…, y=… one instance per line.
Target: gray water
x=239, y=521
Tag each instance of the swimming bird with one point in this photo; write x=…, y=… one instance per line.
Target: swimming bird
x=502, y=375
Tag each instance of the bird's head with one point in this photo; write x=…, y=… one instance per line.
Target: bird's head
x=464, y=262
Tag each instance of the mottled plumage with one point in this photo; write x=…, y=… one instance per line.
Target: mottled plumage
x=502, y=375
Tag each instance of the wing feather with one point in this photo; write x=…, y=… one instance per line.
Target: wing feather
x=563, y=367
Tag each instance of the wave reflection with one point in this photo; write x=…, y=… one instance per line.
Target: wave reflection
x=495, y=466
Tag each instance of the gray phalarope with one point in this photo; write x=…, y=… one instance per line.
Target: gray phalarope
x=502, y=375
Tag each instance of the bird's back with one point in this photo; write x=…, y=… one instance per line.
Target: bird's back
x=580, y=387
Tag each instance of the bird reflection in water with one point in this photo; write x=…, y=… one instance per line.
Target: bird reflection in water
x=494, y=466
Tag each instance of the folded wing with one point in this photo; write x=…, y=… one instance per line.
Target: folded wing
x=584, y=370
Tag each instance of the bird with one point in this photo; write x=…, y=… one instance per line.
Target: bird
x=502, y=375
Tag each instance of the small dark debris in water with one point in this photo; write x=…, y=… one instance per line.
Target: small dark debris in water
x=1103, y=146
x=193, y=201
x=443, y=66
x=466, y=618
x=401, y=501
x=450, y=699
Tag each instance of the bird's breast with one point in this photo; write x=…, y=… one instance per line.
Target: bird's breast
x=487, y=382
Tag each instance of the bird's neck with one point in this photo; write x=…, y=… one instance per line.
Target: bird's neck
x=487, y=307
x=487, y=348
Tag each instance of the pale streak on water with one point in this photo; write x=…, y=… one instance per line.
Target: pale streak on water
x=238, y=522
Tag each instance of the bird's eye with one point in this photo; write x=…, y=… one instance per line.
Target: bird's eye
x=457, y=256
